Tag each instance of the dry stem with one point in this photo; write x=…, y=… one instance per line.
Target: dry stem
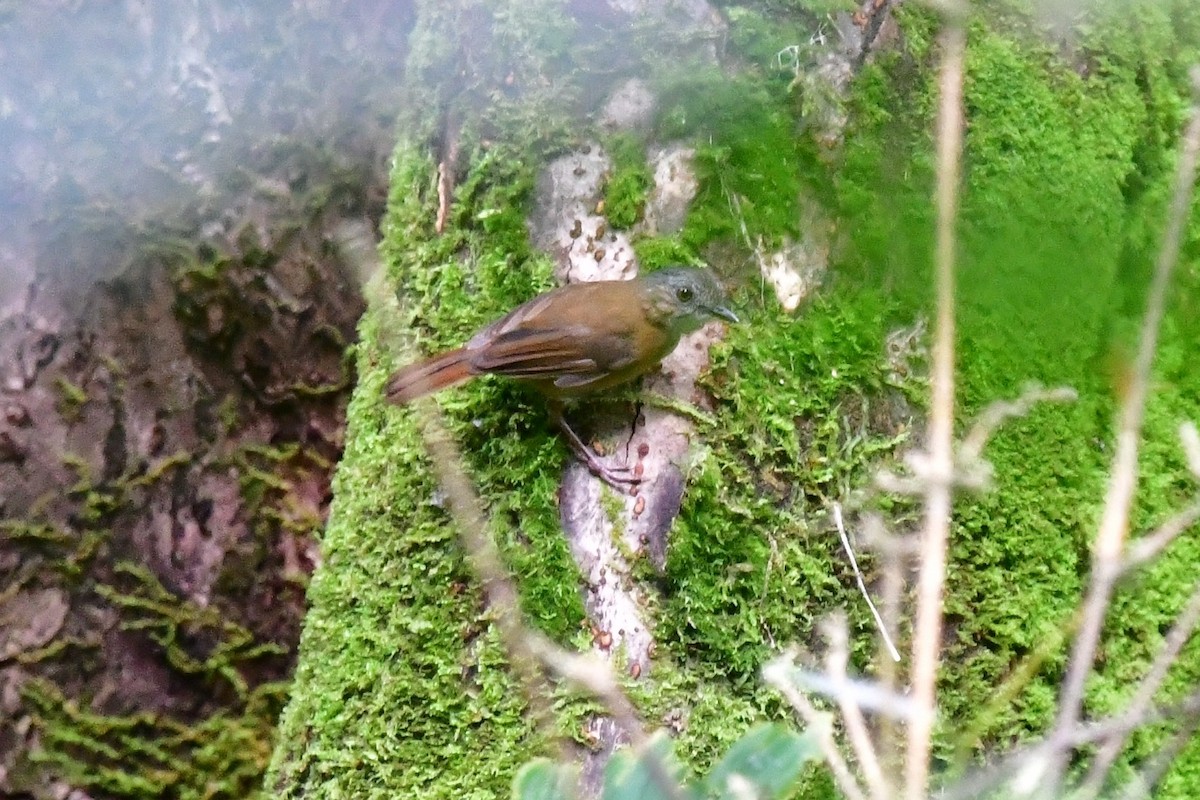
x=928, y=626
x=1180, y=632
x=1189, y=437
x=862, y=586
x=1148, y=547
x=819, y=724
x=1110, y=538
x=836, y=662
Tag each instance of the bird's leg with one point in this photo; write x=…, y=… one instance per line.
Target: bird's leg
x=585, y=454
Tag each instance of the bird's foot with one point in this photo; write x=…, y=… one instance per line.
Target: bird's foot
x=618, y=477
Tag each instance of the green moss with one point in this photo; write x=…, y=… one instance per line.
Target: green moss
x=627, y=187
x=228, y=414
x=402, y=680
x=71, y=399
x=175, y=625
x=34, y=532
x=223, y=755
x=153, y=756
x=654, y=252
x=747, y=157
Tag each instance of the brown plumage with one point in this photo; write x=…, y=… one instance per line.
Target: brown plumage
x=577, y=339
x=439, y=372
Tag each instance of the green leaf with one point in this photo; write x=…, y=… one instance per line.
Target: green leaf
x=769, y=757
x=542, y=779
x=639, y=776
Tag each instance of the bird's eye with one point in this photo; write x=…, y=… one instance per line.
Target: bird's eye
x=684, y=294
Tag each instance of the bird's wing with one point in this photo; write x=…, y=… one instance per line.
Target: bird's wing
x=567, y=336
x=571, y=356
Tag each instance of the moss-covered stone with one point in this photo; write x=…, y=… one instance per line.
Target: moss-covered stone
x=626, y=189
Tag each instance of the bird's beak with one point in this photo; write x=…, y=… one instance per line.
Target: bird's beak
x=724, y=313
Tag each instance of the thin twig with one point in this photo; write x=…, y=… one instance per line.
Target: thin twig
x=498, y=587
x=1189, y=437
x=1110, y=538
x=932, y=576
x=1180, y=632
x=1091, y=733
x=837, y=660
x=970, y=471
x=820, y=724
x=1004, y=694
x=1148, y=547
x=895, y=556
x=593, y=675
x=1000, y=411
x=357, y=247
x=1029, y=766
x=1144, y=782
x=445, y=176
x=867, y=695
x=862, y=586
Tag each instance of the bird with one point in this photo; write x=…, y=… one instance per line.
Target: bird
x=576, y=340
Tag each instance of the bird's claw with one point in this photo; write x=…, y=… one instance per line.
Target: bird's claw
x=610, y=475
x=604, y=472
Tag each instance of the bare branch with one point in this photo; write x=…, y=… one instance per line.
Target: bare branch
x=932, y=576
x=593, y=675
x=1180, y=632
x=357, y=246
x=867, y=695
x=596, y=677
x=1148, y=547
x=1000, y=411
x=445, y=176
x=1028, y=768
x=1190, y=438
x=896, y=553
x=1006, y=693
x=1110, y=538
x=1143, y=784
x=970, y=470
x=820, y=723
x=836, y=662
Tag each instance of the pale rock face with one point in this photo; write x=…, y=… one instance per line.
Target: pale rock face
x=793, y=272
x=630, y=108
x=675, y=186
x=568, y=220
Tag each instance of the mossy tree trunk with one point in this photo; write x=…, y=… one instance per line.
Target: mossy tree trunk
x=173, y=373
x=539, y=146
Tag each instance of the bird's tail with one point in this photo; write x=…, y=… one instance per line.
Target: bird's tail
x=428, y=376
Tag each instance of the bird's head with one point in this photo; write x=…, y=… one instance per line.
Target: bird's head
x=684, y=298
